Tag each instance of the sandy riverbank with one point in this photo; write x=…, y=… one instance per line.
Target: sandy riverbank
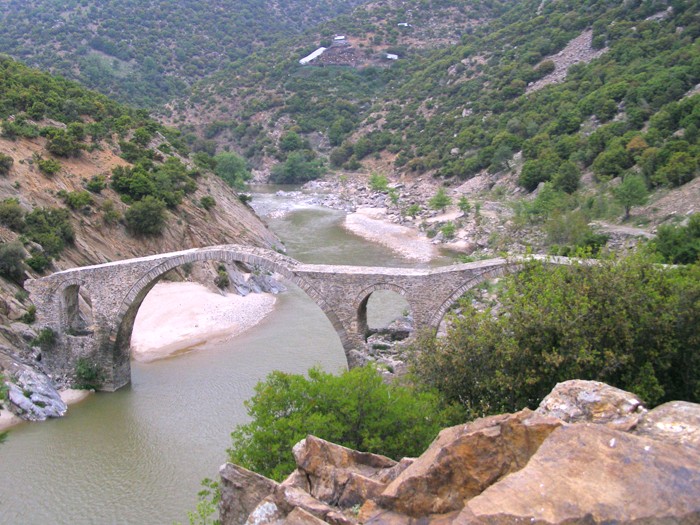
x=70, y=397
x=371, y=224
x=178, y=317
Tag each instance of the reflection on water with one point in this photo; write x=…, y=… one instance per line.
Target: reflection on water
x=137, y=456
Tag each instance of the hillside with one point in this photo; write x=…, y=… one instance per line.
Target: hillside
x=147, y=51
x=552, y=96
x=85, y=180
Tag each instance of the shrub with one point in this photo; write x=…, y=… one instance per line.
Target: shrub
x=146, y=217
x=6, y=163
x=50, y=227
x=440, y=200
x=207, y=202
x=30, y=315
x=96, y=184
x=110, y=215
x=679, y=244
x=222, y=279
x=355, y=409
x=76, y=200
x=49, y=166
x=45, y=339
x=11, y=258
x=87, y=375
x=12, y=215
x=39, y=262
x=378, y=182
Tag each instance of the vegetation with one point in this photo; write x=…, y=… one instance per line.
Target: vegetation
x=440, y=200
x=232, y=169
x=355, y=409
x=146, y=217
x=87, y=375
x=6, y=163
x=679, y=244
x=45, y=339
x=299, y=167
x=11, y=261
x=631, y=192
x=624, y=322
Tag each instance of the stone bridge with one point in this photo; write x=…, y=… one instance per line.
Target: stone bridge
x=114, y=292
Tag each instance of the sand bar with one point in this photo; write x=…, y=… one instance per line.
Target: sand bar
x=179, y=317
x=371, y=224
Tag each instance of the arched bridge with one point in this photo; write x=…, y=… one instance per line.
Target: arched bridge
x=115, y=291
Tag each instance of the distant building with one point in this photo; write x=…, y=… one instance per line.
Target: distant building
x=312, y=56
x=404, y=24
x=339, y=38
x=391, y=56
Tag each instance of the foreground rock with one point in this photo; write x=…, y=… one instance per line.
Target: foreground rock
x=32, y=395
x=607, y=477
x=602, y=459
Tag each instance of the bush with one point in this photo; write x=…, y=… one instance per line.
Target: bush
x=51, y=228
x=39, y=262
x=12, y=215
x=207, y=202
x=6, y=163
x=49, y=166
x=11, y=258
x=146, y=217
x=679, y=244
x=355, y=409
x=77, y=200
x=627, y=323
x=87, y=375
x=440, y=200
x=298, y=168
x=96, y=184
x=45, y=339
x=378, y=182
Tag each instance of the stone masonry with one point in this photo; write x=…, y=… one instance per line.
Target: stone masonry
x=114, y=292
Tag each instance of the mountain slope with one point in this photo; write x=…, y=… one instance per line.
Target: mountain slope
x=147, y=51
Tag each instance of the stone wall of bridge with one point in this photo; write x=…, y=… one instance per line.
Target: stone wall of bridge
x=115, y=291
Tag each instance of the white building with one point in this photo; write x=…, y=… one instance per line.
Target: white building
x=312, y=56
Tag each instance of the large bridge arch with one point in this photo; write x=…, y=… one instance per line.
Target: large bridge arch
x=120, y=335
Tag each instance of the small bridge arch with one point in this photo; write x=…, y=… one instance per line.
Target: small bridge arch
x=362, y=299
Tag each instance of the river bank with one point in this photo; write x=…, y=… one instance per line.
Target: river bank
x=179, y=317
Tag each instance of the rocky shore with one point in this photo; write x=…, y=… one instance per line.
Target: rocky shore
x=590, y=454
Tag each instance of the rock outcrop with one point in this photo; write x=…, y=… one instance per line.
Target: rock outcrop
x=590, y=454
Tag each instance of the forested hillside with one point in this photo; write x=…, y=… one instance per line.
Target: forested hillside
x=147, y=51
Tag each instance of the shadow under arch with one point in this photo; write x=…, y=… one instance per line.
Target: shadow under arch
x=361, y=300
x=120, y=336
x=74, y=318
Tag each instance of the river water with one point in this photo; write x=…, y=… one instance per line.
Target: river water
x=137, y=456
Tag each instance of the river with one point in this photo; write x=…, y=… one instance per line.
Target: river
x=137, y=456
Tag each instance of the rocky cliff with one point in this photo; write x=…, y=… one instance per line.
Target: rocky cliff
x=590, y=454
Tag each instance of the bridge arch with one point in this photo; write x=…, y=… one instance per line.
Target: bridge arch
x=120, y=336
x=362, y=298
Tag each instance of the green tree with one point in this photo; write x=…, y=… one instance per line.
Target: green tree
x=440, y=200
x=567, y=177
x=632, y=191
x=624, y=322
x=146, y=217
x=355, y=409
x=378, y=182
x=291, y=141
x=233, y=169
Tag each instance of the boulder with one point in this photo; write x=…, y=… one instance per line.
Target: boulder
x=341, y=476
x=464, y=460
x=589, y=474
x=33, y=396
x=241, y=492
x=577, y=401
x=673, y=422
